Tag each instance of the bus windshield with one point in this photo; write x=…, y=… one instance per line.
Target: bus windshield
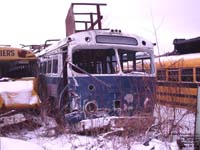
x=18, y=69
x=96, y=61
x=105, y=61
x=135, y=61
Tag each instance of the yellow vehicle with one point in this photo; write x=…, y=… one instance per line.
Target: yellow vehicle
x=18, y=79
x=178, y=75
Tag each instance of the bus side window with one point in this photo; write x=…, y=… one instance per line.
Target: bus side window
x=187, y=74
x=198, y=74
x=41, y=67
x=173, y=75
x=49, y=66
x=161, y=74
x=55, y=65
x=45, y=67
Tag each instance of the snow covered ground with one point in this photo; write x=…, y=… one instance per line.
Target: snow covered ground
x=73, y=141
x=11, y=144
x=176, y=124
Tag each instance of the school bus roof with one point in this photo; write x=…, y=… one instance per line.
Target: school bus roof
x=11, y=53
x=178, y=61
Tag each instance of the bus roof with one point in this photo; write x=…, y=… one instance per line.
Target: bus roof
x=11, y=53
x=178, y=61
x=79, y=38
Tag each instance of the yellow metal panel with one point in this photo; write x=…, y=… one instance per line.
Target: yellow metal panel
x=10, y=53
x=1, y=103
x=177, y=62
x=176, y=90
x=175, y=101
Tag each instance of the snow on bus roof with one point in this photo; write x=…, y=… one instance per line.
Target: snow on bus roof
x=81, y=37
x=89, y=33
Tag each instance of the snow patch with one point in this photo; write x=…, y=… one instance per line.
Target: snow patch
x=11, y=144
x=17, y=92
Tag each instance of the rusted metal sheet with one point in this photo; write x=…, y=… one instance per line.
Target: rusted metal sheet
x=70, y=22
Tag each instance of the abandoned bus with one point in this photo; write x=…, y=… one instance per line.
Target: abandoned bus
x=99, y=72
x=178, y=75
x=177, y=81
x=18, y=79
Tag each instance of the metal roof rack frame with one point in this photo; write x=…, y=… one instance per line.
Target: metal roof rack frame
x=94, y=21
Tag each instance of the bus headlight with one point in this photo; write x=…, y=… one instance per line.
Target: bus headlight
x=90, y=107
x=87, y=39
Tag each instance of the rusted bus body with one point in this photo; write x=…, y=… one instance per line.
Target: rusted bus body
x=18, y=79
x=99, y=73
x=178, y=77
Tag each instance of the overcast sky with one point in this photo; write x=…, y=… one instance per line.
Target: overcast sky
x=34, y=21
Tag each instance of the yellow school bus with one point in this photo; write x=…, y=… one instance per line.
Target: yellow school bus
x=178, y=78
x=18, y=79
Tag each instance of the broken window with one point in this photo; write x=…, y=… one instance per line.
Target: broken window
x=133, y=61
x=95, y=61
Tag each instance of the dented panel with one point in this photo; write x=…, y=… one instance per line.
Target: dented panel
x=126, y=96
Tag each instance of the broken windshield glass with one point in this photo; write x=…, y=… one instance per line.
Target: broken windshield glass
x=95, y=61
x=135, y=62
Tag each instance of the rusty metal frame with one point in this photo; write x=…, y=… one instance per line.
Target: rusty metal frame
x=70, y=21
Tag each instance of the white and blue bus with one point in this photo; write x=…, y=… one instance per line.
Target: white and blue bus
x=99, y=72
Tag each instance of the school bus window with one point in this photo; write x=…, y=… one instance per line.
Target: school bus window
x=161, y=74
x=198, y=74
x=187, y=74
x=55, y=65
x=173, y=74
x=49, y=67
x=18, y=69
